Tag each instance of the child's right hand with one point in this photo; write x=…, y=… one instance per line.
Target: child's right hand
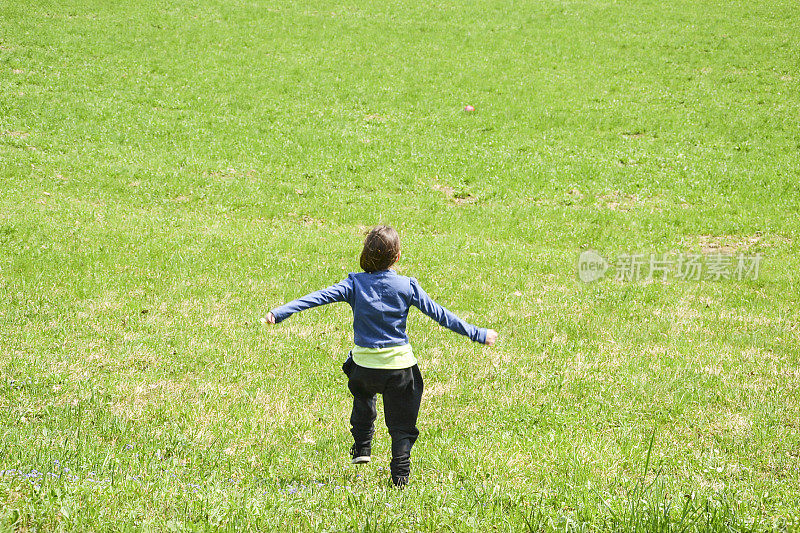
x=269, y=319
x=491, y=337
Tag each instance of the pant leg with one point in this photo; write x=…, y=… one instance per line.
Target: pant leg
x=401, y=402
x=362, y=418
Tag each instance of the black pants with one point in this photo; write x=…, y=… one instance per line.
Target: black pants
x=402, y=394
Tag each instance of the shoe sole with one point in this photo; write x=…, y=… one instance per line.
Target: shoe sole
x=361, y=460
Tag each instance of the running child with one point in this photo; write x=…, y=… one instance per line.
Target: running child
x=382, y=361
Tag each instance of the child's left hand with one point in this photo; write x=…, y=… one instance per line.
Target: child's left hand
x=269, y=319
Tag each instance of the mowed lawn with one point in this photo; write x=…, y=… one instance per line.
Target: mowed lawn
x=171, y=170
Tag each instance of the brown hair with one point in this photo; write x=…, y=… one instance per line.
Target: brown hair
x=381, y=248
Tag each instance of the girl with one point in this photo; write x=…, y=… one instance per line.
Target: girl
x=382, y=362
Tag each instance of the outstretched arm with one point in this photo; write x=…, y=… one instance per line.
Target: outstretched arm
x=341, y=292
x=421, y=300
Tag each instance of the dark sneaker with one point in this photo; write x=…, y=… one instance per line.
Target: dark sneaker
x=360, y=455
x=400, y=482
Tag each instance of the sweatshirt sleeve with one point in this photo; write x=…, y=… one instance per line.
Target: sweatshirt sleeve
x=421, y=300
x=340, y=292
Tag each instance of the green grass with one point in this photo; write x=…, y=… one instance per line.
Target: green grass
x=171, y=170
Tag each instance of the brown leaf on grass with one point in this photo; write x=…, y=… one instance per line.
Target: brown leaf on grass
x=617, y=201
x=634, y=134
x=307, y=220
x=725, y=244
x=459, y=198
x=464, y=198
x=448, y=191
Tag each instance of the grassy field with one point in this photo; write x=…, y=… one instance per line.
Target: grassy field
x=169, y=171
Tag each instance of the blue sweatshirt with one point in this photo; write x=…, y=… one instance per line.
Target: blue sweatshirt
x=380, y=302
